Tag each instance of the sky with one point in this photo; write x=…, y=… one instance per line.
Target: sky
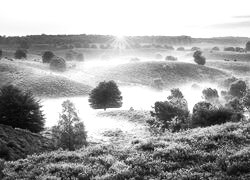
x=196, y=18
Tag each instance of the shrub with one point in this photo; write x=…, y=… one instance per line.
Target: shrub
x=198, y=58
x=238, y=88
x=180, y=49
x=195, y=48
x=20, y=109
x=70, y=132
x=168, y=47
x=79, y=57
x=210, y=95
x=57, y=64
x=248, y=46
x=215, y=48
x=171, y=58
x=158, y=56
x=205, y=114
x=69, y=56
x=229, y=49
x=105, y=95
x=47, y=56
x=19, y=54
x=172, y=114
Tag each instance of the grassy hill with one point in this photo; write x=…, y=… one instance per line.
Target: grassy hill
x=42, y=83
x=216, y=152
x=171, y=73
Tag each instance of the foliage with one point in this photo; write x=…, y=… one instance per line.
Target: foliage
x=248, y=46
x=20, y=109
x=229, y=49
x=70, y=132
x=236, y=105
x=57, y=64
x=218, y=152
x=171, y=58
x=170, y=115
x=206, y=114
x=210, y=95
x=238, y=88
x=180, y=49
x=215, y=48
x=198, y=58
x=105, y=95
x=47, y=56
x=19, y=54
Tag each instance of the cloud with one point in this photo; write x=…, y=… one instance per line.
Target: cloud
x=241, y=24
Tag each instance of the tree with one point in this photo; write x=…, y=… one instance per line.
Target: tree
x=229, y=49
x=47, y=56
x=210, y=95
x=171, y=58
x=105, y=95
x=238, y=88
x=206, y=114
x=20, y=109
x=172, y=114
x=58, y=64
x=70, y=132
x=19, y=54
x=215, y=48
x=248, y=46
x=198, y=58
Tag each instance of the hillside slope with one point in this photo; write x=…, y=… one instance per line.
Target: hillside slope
x=216, y=152
x=171, y=73
x=41, y=83
x=18, y=143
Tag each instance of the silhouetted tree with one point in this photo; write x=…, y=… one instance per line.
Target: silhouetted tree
x=105, y=95
x=47, y=56
x=19, y=54
x=198, y=58
x=70, y=132
x=20, y=109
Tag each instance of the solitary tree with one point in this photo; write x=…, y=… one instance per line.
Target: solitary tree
x=19, y=54
x=20, y=109
x=198, y=58
x=70, y=132
x=105, y=95
x=47, y=56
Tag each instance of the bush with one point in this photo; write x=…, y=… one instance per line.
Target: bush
x=195, y=49
x=171, y=58
x=229, y=49
x=238, y=88
x=57, y=64
x=172, y=114
x=19, y=109
x=47, y=56
x=105, y=95
x=19, y=54
x=70, y=132
x=205, y=114
x=79, y=57
x=215, y=48
x=158, y=56
x=248, y=46
x=198, y=58
x=210, y=95
x=180, y=49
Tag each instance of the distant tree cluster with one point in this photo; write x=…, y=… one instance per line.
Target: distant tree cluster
x=20, y=109
x=198, y=58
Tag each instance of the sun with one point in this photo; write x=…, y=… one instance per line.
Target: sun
x=120, y=37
